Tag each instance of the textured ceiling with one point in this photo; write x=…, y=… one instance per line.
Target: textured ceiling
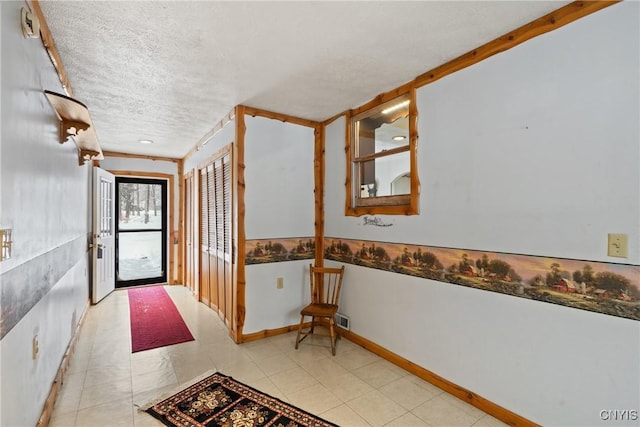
x=169, y=71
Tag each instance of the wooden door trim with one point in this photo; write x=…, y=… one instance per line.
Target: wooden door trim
x=171, y=276
x=238, y=216
x=186, y=213
x=179, y=237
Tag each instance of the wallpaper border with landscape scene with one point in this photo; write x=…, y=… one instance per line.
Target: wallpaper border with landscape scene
x=607, y=288
x=262, y=251
x=601, y=287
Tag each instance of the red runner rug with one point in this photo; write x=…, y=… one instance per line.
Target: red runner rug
x=155, y=320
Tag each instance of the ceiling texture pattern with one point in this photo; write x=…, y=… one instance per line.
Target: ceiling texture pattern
x=169, y=71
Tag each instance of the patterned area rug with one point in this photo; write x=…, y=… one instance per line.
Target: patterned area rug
x=219, y=400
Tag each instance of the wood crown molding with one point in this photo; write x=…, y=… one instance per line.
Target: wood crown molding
x=50, y=47
x=332, y=119
x=217, y=128
x=549, y=22
x=140, y=156
x=253, y=112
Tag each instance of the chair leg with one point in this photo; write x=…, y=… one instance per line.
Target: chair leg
x=299, y=330
x=332, y=332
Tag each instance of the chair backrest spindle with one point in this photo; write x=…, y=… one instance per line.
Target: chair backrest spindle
x=326, y=283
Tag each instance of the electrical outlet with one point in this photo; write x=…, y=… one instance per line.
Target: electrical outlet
x=618, y=245
x=35, y=349
x=279, y=283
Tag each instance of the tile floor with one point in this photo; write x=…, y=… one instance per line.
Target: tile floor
x=106, y=383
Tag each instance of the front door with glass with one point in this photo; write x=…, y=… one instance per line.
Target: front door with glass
x=141, y=231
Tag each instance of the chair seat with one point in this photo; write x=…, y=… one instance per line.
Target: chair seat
x=319, y=310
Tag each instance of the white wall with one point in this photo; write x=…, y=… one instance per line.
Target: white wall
x=222, y=138
x=45, y=200
x=26, y=383
x=533, y=151
x=153, y=166
x=279, y=203
x=279, y=179
x=283, y=308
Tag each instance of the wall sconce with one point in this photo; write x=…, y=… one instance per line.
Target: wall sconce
x=5, y=241
x=30, y=24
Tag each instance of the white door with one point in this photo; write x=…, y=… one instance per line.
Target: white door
x=104, y=279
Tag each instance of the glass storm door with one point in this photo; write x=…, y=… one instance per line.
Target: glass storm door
x=141, y=231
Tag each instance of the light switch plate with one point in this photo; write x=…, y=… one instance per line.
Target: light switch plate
x=618, y=246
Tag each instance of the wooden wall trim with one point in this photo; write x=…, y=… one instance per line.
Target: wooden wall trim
x=332, y=119
x=382, y=98
x=171, y=277
x=470, y=397
x=181, y=225
x=552, y=21
x=50, y=47
x=266, y=333
x=56, y=386
x=215, y=156
x=414, y=205
x=549, y=22
x=239, y=191
x=349, y=164
x=318, y=177
x=142, y=174
x=140, y=156
x=217, y=128
x=251, y=111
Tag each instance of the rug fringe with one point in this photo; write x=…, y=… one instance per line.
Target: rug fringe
x=177, y=389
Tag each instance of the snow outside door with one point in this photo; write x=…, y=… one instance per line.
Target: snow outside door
x=104, y=280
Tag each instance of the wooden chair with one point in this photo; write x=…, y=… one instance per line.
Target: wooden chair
x=326, y=284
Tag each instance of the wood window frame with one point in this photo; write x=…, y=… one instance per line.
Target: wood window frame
x=384, y=205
